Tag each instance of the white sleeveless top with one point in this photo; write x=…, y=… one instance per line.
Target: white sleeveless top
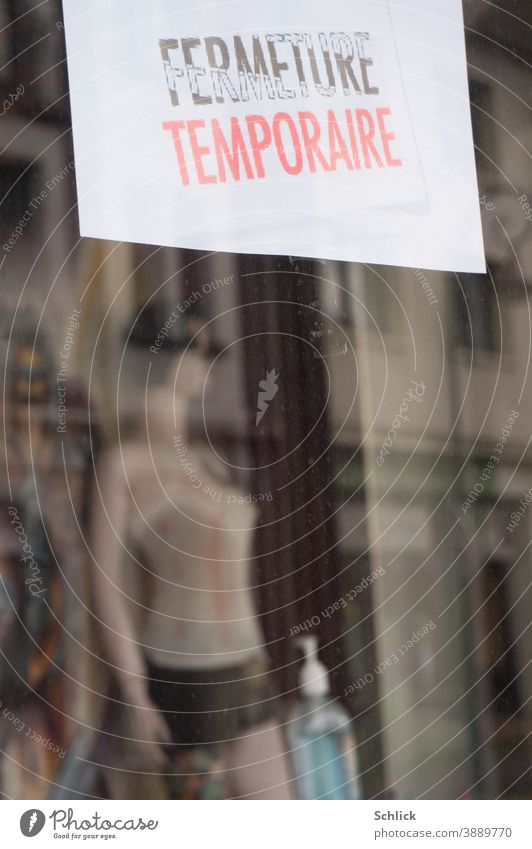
x=198, y=605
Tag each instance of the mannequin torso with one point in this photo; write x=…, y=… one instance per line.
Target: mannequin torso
x=194, y=543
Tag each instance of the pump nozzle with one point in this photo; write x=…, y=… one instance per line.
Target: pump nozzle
x=314, y=681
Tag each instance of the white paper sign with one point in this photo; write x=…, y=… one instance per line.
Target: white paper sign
x=338, y=129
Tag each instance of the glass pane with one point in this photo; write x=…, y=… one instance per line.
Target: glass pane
x=209, y=457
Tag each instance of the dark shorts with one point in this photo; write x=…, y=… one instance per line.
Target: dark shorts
x=205, y=707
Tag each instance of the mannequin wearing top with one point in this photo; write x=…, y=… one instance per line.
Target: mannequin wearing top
x=158, y=498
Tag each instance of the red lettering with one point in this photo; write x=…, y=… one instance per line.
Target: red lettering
x=311, y=141
x=258, y=145
x=175, y=128
x=298, y=166
x=336, y=143
x=387, y=138
x=352, y=138
x=362, y=139
x=238, y=149
x=367, y=134
x=199, y=151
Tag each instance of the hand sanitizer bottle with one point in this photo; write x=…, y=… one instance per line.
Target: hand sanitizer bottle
x=320, y=736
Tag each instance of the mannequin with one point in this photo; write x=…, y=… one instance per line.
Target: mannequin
x=187, y=651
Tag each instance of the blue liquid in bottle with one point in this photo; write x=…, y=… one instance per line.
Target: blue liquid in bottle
x=320, y=737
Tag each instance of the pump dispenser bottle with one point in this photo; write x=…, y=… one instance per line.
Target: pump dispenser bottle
x=320, y=736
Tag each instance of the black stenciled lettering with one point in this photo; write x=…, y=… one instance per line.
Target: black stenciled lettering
x=172, y=73
x=219, y=67
x=278, y=67
x=253, y=77
x=257, y=66
x=193, y=71
x=321, y=88
x=365, y=63
x=296, y=39
x=344, y=54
